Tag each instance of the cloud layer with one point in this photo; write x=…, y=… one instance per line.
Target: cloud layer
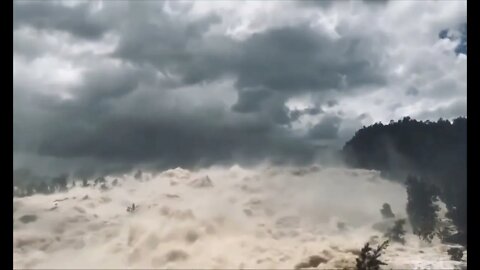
x=115, y=85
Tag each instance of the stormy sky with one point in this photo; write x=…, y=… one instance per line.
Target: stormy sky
x=111, y=86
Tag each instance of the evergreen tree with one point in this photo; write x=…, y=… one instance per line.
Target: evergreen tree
x=60, y=182
x=43, y=188
x=84, y=182
x=433, y=150
x=30, y=189
x=99, y=180
x=369, y=258
x=456, y=254
x=421, y=208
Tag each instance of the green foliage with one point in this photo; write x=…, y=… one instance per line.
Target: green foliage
x=397, y=232
x=456, y=254
x=369, y=259
x=421, y=208
x=436, y=150
x=43, y=188
x=60, y=182
x=30, y=189
x=85, y=182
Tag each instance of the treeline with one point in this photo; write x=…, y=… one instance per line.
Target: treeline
x=25, y=183
x=432, y=153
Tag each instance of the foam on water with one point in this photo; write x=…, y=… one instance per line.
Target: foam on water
x=267, y=217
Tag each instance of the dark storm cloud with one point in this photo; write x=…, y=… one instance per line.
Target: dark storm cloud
x=122, y=116
x=103, y=84
x=167, y=139
x=288, y=59
x=184, y=141
x=251, y=100
x=283, y=62
x=107, y=130
x=327, y=128
x=266, y=104
x=293, y=59
x=175, y=46
x=51, y=16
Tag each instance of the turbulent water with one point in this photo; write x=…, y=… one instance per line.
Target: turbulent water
x=232, y=218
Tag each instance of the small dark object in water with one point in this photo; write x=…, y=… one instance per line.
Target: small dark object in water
x=176, y=255
x=172, y=196
x=313, y=261
x=248, y=212
x=131, y=208
x=28, y=218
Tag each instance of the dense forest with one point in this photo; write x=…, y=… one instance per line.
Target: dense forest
x=435, y=152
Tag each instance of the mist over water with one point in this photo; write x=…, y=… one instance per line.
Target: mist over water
x=229, y=218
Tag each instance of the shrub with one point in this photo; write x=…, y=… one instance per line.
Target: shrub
x=456, y=254
x=369, y=258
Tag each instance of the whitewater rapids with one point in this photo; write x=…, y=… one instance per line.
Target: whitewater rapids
x=221, y=218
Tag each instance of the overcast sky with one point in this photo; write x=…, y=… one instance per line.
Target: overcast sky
x=115, y=85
